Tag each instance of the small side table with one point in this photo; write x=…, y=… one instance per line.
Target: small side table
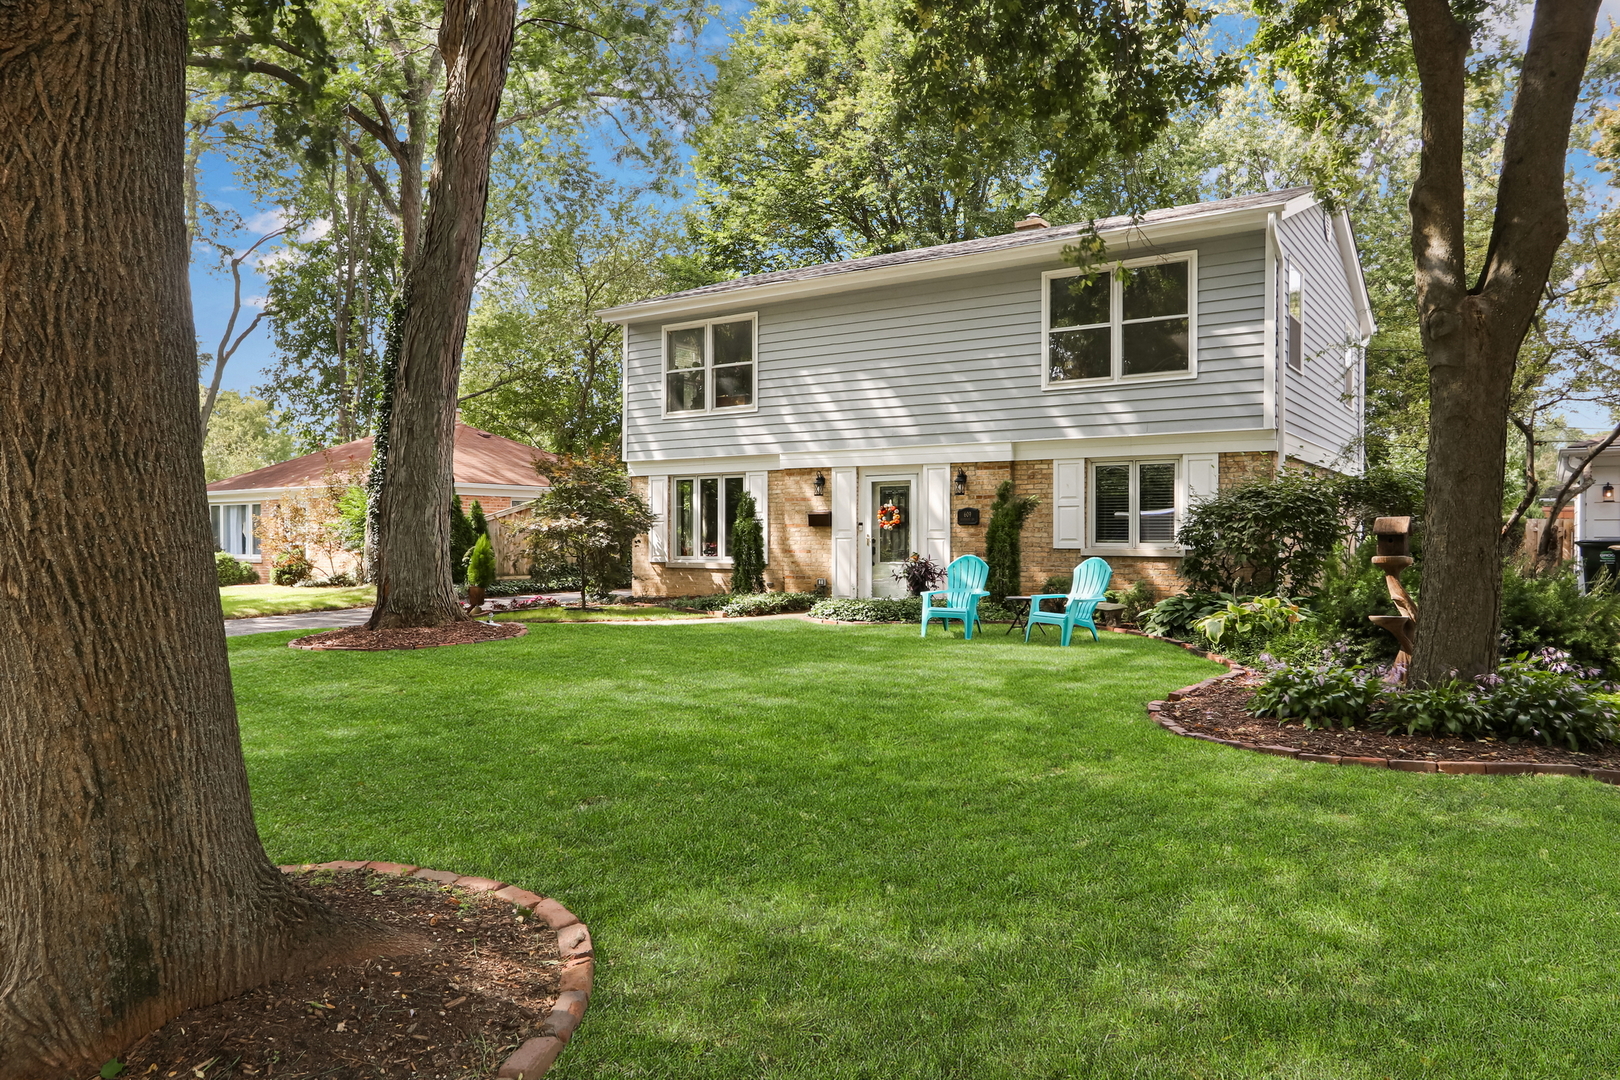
x=1019, y=606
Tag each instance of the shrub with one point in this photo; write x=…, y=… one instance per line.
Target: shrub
x=462, y=538
x=1544, y=698
x=747, y=549
x=292, y=566
x=1324, y=693
x=713, y=602
x=1137, y=599
x=1453, y=707
x=480, y=525
x=481, y=565
x=1277, y=535
x=873, y=609
x=1352, y=589
x=768, y=603
x=1550, y=611
x=1001, y=541
x=230, y=571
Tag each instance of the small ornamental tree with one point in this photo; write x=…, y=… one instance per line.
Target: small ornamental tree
x=588, y=518
x=747, y=549
x=481, y=565
x=462, y=538
x=1002, y=538
x=317, y=520
x=479, y=523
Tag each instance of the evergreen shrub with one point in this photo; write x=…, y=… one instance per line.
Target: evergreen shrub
x=1002, y=538
x=481, y=566
x=232, y=571
x=747, y=549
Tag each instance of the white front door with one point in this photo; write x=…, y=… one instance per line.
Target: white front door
x=891, y=532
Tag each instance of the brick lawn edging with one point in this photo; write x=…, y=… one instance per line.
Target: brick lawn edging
x=297, y=643
x=1454, y=768
x=531, y=1060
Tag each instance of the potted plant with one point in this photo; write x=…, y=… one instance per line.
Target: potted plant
x=920, y=573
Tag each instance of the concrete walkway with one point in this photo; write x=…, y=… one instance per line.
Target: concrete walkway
x=307, y=620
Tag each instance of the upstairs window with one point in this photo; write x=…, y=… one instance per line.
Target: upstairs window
x=1134, y=321
x=236, y=527
x=1295, y=316
x=1134, y=503
x=709, y=366
x=705, y=508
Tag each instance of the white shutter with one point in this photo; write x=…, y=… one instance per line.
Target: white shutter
x=758, y=485
x=1201, y=475
x=658, y=535
x=1068, y=504
x=937, y=513
x=844, y=568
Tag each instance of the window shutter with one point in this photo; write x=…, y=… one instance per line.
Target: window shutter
x=658, y=535
x=937, y=510
x=1068, y=504
x=758, y=485
x=844, y=492
x=1202, y=473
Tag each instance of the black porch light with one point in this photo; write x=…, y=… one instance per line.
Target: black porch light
x=1608, y=493
x=961, y=481
x=821, y=485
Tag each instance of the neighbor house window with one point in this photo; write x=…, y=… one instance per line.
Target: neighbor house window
x=236, y=527
x=1133, y=503
x=709, y=366
x=705, y=507
x=1130, y=321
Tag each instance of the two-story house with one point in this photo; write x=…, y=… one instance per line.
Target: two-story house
x=872, y=406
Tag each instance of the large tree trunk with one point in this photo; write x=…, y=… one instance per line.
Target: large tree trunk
x=1471, y=335
x=132, y=881
x=414, y=580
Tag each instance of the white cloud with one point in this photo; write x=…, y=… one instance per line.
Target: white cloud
x=267, y=220
x=257, y=302
x=314, y=230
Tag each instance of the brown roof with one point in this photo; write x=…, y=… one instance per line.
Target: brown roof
x=480, y=458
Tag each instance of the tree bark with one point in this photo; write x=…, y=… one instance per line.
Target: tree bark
x=132, y=881
x=1471, y=335
x=414, y=574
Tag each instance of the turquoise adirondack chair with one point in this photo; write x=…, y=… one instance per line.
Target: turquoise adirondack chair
x=964, y=588
x=1087, y=589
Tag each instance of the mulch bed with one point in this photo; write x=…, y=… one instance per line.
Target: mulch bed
x=1221, y=710
x=466, y=632
x=453, y=1012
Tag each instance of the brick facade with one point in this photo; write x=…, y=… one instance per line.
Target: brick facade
x=801, y=553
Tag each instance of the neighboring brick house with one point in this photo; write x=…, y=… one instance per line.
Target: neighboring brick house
x=1217, y=342
x=498, y=472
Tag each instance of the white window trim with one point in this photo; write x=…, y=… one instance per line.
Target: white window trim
x=672, y=521
x=255, y=537
x=708, y=366
x=1116, y=322
x=1096, y=547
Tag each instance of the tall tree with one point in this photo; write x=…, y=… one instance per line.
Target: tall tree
x=245, y=434
x=132, y=879
x=412, y=564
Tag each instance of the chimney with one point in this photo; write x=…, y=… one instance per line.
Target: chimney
x=1034, y=221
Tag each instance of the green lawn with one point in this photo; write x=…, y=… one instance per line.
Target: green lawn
x=840, y=852
x=609, y=613
x=247, y=601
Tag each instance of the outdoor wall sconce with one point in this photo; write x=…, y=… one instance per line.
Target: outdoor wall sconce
x=1608, y=493
x=821, y=486
x=961, y=481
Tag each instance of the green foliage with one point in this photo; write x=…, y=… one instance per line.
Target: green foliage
x=1351, y=590
x=1278, y=535
x=352, y=512
x=481, y=566
x=292, y=567
x=1542, y=698
x=231, y=571
x=1550, y=611
x=920, y=573
x=588, y=518
x=1453, y=707
x=244, y=433
x=1323, y=694
x=767, y=603
x=1174, y=616
x=747, y=549
x=462, y=539
x=479, y=523
x=712, y=602
x=1085, y=80
x=1002, y=541
x=1138, y=600
x=876, y=609
x=1262, y=616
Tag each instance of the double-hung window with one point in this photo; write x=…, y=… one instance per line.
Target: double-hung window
x=1134, y=320
x=1133, y=503
x=709, y=366
x=704, y=509
x=236, y=527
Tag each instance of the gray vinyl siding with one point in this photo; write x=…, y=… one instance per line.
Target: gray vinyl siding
x=1316, y=406
x=954, y=359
